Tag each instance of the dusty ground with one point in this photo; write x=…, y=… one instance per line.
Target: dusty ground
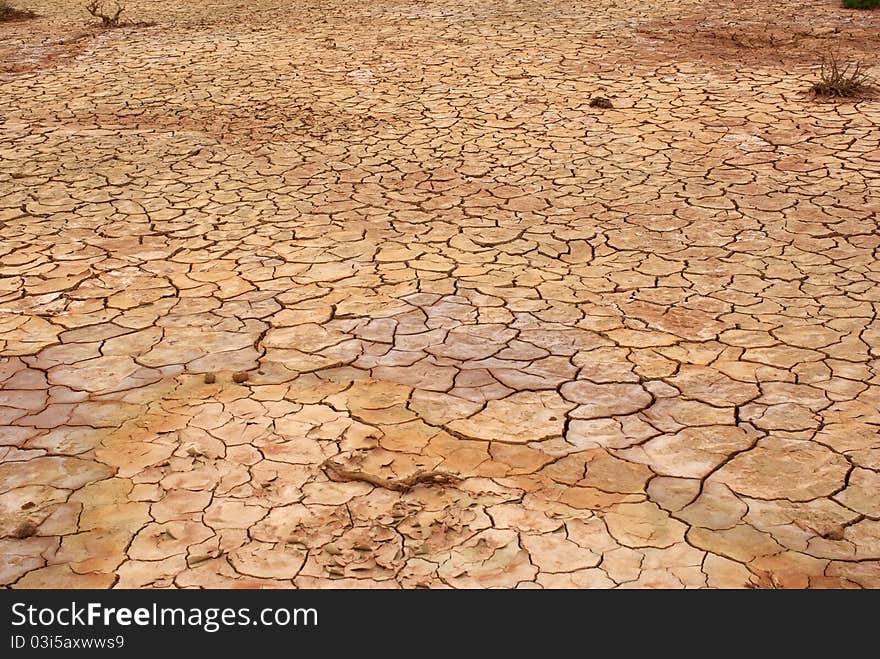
x=493, y=336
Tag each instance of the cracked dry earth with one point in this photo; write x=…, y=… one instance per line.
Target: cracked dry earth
x=367, y=295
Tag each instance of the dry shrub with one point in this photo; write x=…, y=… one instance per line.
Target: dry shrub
x=109, y=18
x=841, y=81
x=10, y=13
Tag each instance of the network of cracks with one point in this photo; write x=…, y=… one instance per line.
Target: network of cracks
x=383, y=301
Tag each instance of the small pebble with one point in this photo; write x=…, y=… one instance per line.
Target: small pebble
x=239, y=377
x=210, y=378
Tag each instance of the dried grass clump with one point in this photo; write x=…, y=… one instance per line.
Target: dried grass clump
x=841, y=81
x=10, y=13
x=109, y=18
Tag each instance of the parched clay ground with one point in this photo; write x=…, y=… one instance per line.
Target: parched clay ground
x=493, y=337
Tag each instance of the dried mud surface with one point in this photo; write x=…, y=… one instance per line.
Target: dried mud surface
x=367, y=295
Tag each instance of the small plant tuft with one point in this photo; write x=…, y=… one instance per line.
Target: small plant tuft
x=25, y=530
x=10, y=13
x=861, y=4
x=837, y=81
x=108, y=18
x=601, y=102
